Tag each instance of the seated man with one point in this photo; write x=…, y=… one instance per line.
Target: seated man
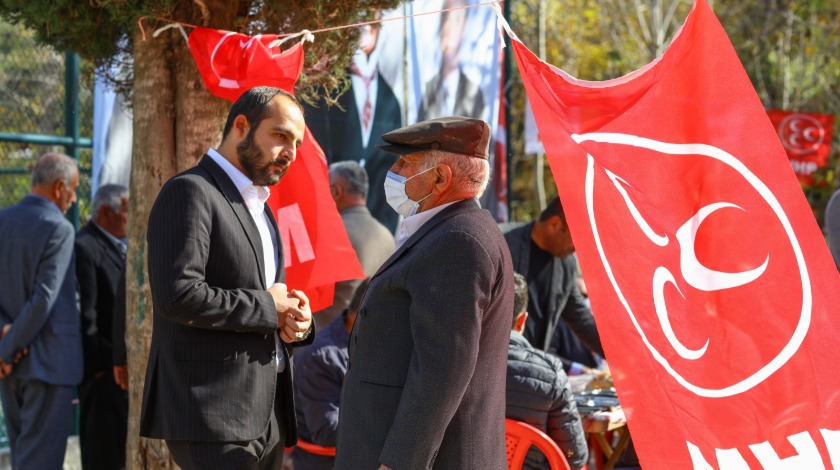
x=318, y=374
x=538, y=391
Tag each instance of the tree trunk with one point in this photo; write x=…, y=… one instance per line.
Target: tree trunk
x=175, y=121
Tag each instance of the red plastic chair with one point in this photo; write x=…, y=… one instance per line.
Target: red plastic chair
x=315, y=449
x=519, y=437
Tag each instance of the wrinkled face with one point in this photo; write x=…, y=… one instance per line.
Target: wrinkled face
x=66, y=194
x=411, y=165
x=269, y=148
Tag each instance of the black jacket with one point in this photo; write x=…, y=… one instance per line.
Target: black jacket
x=539, y=394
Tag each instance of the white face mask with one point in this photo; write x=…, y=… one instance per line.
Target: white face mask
x=397, y=198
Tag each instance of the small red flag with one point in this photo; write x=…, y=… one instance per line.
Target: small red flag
x=714, y=292
x=231, y=63
x=316, y=247
x=806, y=138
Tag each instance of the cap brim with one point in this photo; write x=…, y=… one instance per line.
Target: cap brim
x=400, y=149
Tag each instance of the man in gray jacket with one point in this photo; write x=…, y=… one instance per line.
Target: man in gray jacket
x=538, y=391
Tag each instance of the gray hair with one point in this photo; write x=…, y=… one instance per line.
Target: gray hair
x=110, y=195
x=52, y=167
x=469, y=173
x=354, y=174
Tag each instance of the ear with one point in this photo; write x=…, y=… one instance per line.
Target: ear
x=443, y=175
x=519, y=324
x=337, y=191
x=241, y=126
x=58, y=188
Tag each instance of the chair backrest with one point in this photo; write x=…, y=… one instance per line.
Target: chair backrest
x=519, y=437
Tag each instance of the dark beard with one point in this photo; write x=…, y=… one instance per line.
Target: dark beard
x=249, y=157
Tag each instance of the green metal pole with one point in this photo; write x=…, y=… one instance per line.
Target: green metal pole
x=71, y=117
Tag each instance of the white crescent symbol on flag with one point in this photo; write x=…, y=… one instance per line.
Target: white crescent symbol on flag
x=223, y=82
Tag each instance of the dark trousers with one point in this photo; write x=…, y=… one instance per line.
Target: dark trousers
x=38, y=419
x=103, y=423
x=263, y=453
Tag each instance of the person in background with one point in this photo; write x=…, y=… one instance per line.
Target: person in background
x=372, y=242
x=426, y=384
x=319, y=374
x=100, y=260
x=538, y=391
x=542, y=251
x=41, y=342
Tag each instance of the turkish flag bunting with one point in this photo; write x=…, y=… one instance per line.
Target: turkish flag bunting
x=316, y=248
x=806, y=138
x=712, y=287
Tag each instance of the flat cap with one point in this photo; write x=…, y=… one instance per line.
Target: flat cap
x=456, y=134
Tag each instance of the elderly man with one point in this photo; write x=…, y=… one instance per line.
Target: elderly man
x=41, y=345
x=371, y=241
x=426, y=383
x=100, y=259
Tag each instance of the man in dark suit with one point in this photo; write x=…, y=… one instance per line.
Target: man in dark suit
x=41, y=344
x=100, y=258
x=542, y=252
x=372, y=242
x=346, y=131
x=426, y=384
x=218, y=384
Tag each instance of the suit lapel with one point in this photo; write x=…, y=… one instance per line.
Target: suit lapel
x=237, y=205
x=459, y=207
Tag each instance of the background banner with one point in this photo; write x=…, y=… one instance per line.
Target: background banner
x=710, y=281
x=806, y=138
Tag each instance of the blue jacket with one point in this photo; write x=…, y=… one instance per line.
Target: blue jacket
x=39, y=293
x=539, y=394
x=318, y=375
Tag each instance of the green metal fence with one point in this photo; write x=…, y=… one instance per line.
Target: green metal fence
x=46, y=105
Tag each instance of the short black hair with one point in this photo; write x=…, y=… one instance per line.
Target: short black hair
x=554, y=208
x=253, y=104
x=520, y=294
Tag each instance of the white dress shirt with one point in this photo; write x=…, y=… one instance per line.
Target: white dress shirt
x=255, y=197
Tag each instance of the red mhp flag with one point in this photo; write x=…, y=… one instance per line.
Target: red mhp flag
x=712, y=287
x=316, y=249
x=806, y=138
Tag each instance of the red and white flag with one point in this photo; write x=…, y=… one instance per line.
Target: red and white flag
x=712, y=287
x=316, y=248
x=806, y=138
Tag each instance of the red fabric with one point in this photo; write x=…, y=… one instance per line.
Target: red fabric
x=806, y=138
x=316, y=248
x=231, y=63
x=721, y=335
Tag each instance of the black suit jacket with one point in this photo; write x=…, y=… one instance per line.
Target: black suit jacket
x=211, y=374
x=99, y=263
x=338, y=131
x=564, y=298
